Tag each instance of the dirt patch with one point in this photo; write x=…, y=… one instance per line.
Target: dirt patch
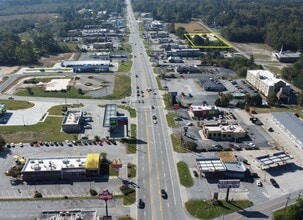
x=53, y=59
x=191, y=27
x=7, y=70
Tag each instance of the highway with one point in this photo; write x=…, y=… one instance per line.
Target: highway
x=156, y=167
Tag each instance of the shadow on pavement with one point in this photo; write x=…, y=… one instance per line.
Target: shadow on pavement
x=253, y=214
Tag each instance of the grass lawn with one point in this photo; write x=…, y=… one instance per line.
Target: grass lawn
x=57, y=110
x=125, y=218
x=49, y=130
x=16, y=104
x=284, y=214
x=132, y=142
x=159, y=82
x=170, y=119
x=207, y=210
x=132, y=111
x=39, y=92
x=294, y=109
x=125, y=66
x=167, y=101
x=176, y=140
x=122, y=88
x=129, y=199
x=113, y=171
x=184, y=174
x=131, y=169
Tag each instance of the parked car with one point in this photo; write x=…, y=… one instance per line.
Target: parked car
x=154, y=117
x=195, y=173
x=274, y=183
x=270, y=129
x=259, y=183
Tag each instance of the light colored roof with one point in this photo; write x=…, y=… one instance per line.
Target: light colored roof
x=279, y=158
x=266, y=76
x=226, y=128
x=53, y=163
x=92, y=161
x=290, y=122
x=72, y=117
x=70, y=63
x=202, y=107
x=210, y=164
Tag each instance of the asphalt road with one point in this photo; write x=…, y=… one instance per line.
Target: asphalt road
x=156, y=165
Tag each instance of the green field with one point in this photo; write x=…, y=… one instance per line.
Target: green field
x=49, y=130
x=210, y=210
x=16, y=105
x=184, y=174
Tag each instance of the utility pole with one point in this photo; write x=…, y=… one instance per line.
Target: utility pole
x=287, y=200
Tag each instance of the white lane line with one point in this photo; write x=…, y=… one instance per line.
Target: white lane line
x=142, y=168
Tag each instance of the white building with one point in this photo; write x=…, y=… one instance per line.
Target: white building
x=265, y=82
x=223, y=131
x=72, y=121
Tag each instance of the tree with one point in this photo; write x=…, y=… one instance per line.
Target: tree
x=2, y=143
x=272, y=98
x=180, y=32
x=300, y=98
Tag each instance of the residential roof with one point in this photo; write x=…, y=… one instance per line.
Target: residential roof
x=290, y=123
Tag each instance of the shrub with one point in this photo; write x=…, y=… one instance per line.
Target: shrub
x=37, y=194
x=93, y=192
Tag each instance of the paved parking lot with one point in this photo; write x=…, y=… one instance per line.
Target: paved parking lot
x=7, y=160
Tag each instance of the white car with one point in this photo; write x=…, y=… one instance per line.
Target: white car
x=155, y=121
x=259, y=183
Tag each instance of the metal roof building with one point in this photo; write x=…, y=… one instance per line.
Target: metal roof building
x=291, y=125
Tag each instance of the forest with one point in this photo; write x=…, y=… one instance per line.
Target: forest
x=24, y=39
x=274, y=22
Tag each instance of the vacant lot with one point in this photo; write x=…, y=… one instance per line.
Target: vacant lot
x=191, y=27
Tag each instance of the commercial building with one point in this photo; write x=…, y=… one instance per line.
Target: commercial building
x=212, y=85
x=61, y=168
x=72, y=121
x=223, y=131
x=103, y=45
x=265, y=82
x=221, y=164
x=287, y=56
x=203, y=111
x=184, y=52
x=290, y=125
x=68, y=214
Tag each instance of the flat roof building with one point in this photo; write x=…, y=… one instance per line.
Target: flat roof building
x=287, y=56
x=184, y=52
x=68, y=214
x=203, y=111
x=223, y=131
x=223, y=164
x=72, y=121
x=265, y=82
x=290, y=125
x=61, y=168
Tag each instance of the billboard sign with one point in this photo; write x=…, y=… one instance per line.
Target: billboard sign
x=224, y=184
x=105, y=195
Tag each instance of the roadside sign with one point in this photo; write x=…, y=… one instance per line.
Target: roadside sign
x=225, y=184
x=116, y=163
x=105, y=195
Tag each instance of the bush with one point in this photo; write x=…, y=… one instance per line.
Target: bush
x=126, y=190
x=65, y=197
x=37, y=194
x=93, y=192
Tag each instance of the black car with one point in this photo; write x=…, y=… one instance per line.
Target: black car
x=141, y=204
x=195, y=173
x=274, y=183
x=163, y=194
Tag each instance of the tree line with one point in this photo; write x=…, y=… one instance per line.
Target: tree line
x=24, y=40
x=274, y=22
